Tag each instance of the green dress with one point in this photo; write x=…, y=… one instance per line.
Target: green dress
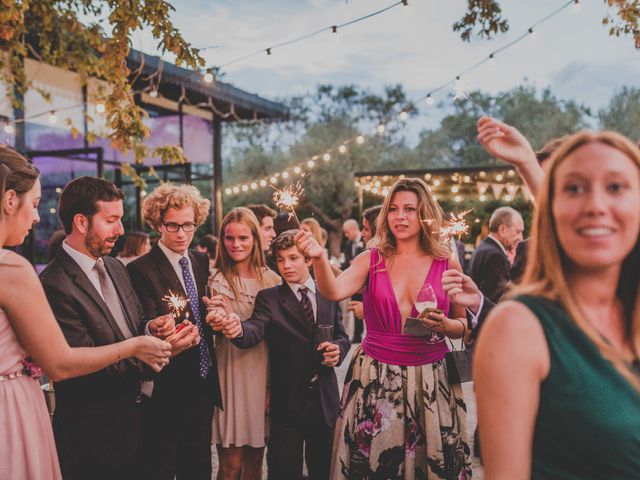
x=588, y=423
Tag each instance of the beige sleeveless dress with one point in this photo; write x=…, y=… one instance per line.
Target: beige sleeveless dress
x=243, y=372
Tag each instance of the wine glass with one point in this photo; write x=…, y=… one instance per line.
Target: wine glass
x=425, y=298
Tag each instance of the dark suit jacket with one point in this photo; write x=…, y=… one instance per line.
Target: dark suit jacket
x=489, y=268
x=520, y=261
x=278, y=317
x=153, y=276
x=86, y=322
x=350, y=253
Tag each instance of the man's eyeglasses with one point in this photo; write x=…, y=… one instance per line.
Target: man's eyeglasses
x=174, y=227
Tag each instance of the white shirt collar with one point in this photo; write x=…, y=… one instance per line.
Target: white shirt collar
x=499, y=243
x=84, y=261
x=310, y=284
x=173, y=256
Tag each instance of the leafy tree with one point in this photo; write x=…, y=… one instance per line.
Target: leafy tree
x=484, y=17
x=57, y=32
x=622, y=114
x=539, y=117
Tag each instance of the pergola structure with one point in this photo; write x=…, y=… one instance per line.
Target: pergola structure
x=454, y=184
x=168, y=89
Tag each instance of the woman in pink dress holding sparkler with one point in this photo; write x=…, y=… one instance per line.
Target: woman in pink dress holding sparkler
x=240, y=430
x=400, y=418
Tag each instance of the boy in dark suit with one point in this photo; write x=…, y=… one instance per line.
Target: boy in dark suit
x=304, y=388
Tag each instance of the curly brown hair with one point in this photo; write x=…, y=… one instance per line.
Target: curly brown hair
x=168, y=196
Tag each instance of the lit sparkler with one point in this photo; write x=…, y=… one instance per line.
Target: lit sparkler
x=175, y=303
x=457, y=226
x=287, y=198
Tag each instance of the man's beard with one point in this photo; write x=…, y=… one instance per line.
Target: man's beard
x=97, y=246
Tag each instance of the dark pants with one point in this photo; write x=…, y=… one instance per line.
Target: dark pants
x=98, y=443
x=176, y=433
x=286, y=444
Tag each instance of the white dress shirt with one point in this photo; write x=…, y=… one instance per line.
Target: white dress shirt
x=86, y=264
x=311, y=294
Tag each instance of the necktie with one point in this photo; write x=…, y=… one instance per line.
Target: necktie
x=307, y=307
x=110, y=297
x=205, y=361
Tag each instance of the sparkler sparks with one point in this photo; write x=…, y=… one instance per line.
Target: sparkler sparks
x=287, y=198
x=457, y=226
x=175, y=303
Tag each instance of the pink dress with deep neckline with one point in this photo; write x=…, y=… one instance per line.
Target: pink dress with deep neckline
x=27, y=448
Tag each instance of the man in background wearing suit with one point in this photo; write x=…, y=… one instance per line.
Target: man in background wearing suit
x=178, y=416
x=489, y=266
x=353, y=247
x=304, y=388
x=97, y=417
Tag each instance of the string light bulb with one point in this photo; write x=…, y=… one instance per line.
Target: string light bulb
x=360, y=139
x=228, y=191
x=429, y=99
x=254, y=185
x=285, y=174
x=263, y=183
x=342, y=149
x=53, y=118
x=404, y=115
x=459, y=89
x=492, y=60
x=273, y=179
x=326, y=157
x=311, y=164
x=245, y=188
x=100, y=107
x=297, y=170
x=380, y=128
x=208, y=77
x=532, y=34
x=577, y=6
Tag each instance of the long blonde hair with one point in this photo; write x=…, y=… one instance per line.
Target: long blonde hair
x=547, y=268
x=429, y=213
x=225, y=264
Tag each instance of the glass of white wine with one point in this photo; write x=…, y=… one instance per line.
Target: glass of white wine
x=425, y=298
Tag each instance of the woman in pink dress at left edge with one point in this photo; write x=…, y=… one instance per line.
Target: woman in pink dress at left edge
x=30, y=336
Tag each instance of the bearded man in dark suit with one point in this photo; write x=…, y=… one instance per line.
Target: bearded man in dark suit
x=97, y=418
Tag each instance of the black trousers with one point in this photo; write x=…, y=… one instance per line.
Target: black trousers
x=98, y=442
x=287, y=442
x=176, y=433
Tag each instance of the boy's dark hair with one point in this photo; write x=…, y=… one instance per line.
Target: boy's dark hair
x=549, y=148
x=81, y=196
x=209, y=243
x=283, y=241
x=261, y=211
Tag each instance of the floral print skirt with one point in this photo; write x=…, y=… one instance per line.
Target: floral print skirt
x=400, y=423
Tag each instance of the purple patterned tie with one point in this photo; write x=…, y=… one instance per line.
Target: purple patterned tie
x=307, y=307
x=205, y=361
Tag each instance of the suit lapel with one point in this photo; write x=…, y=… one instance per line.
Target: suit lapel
x=166, y=270
x=129, y=314
x=83, y=283
x=291, y=303
x=200, y=275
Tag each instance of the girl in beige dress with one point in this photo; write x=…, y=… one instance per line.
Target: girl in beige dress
x=240, y=430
